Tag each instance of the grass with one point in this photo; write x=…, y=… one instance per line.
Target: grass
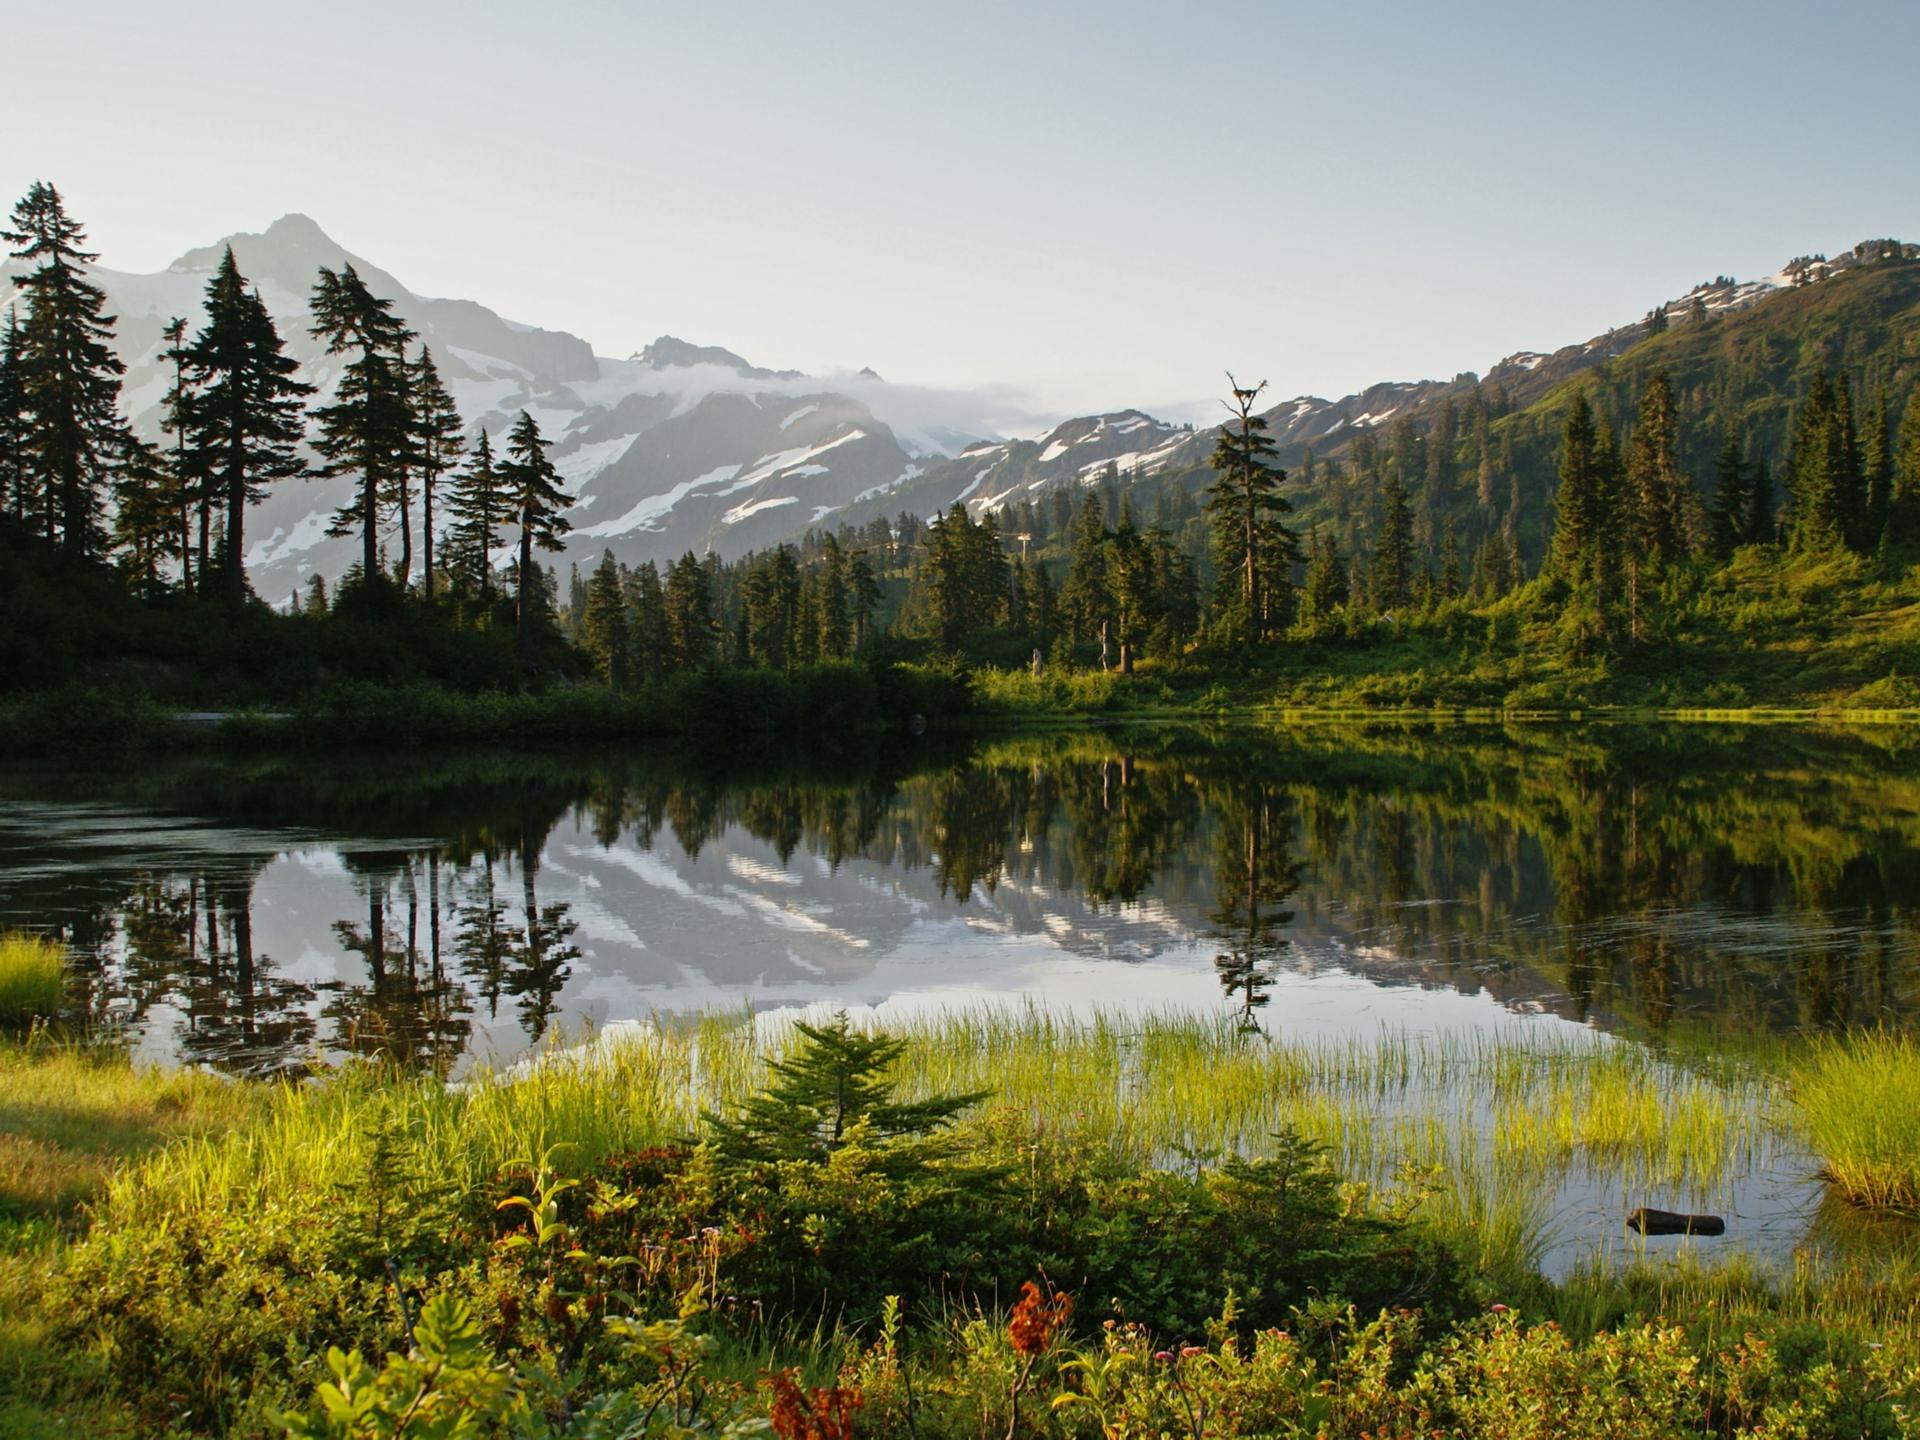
x=1473, y=1132
x=1859, y=1100
x=1483, y=1130
x=74, y=1117
x=32, y=978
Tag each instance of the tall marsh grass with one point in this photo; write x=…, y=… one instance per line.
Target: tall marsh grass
x=1859, y=1102
x=32, y=977
x=1476, y=1132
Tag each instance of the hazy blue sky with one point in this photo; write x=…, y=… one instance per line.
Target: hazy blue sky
x=1101, y=204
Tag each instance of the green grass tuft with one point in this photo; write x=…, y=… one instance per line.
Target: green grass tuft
x=33, y=976
x=1859, y=1099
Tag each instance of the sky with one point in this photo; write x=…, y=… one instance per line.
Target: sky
x=1072, y=207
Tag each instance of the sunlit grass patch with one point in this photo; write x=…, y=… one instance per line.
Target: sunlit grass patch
x=71, y=1118
x=32, y=977
x=1859, y=1101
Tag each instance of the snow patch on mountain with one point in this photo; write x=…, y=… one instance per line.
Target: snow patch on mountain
x=650, y=508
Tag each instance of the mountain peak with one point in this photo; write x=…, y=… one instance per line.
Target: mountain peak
x=669, y=352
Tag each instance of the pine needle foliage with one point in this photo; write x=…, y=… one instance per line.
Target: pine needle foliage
x=835, y=1083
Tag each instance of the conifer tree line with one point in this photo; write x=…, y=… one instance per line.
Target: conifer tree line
x=236, y=420
x=1607, y=510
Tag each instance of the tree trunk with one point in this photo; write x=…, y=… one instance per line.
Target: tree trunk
x=369, y=530
x=524, y=620
x=406, y=533
x=426, y=538
x=236, y=571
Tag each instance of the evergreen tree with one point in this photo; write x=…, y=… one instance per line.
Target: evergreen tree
x=647, y=623
x=1326, y=589
x=71, y=436
x=1391, y=581
x=1084, y=597
x=244, y=420
x=1130, y=591
x=834, y=1082
x=1760, y=520
x=833, y=607
x=1448, y=583
x=1656, y=489
x=1876, y=464
x=1903, y=498
x=1580, y=502
x=440, y=441
x=604, y=624
x=479, y=506
x=190, y=495
x=863, y=594
x=1732, y=515
x=1245, y=508
x=367, y=431
x=533, y=493
x=1604, y=564
x=771, y=598
x=1825, y=482
x=688, y=599
x=145, y=515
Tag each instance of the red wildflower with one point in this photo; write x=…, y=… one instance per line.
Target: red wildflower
x=1037, y=1319
x=816, y=1414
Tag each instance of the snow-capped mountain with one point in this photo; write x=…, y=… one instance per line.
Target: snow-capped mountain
x=680, y=447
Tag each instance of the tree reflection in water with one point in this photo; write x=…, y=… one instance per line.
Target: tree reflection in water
x=1733, y=880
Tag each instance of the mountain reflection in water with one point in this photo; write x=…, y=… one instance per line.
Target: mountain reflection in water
x=251, y=914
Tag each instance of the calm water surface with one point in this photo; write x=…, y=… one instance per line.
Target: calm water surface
x=253, y=913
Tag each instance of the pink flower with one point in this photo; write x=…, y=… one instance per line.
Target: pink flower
x=1187, y=1352
x=1163, y=1355
x=1498, y=1309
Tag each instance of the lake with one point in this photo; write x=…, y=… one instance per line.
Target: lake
x=1715, y=882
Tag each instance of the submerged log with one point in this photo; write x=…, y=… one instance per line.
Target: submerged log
x=1672, y=1222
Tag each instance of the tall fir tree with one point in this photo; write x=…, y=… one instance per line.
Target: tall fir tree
x=1084, y=597
x=1326, y=588
x=479, y=508
x=604, y=624
x=1391, y=580
x=647, y=634
x=1876, y=465
x=1656, y=492
x=193, y=498
x=1732, y=513
x=1448, y=584
x=1762, y=528
x=536, y=502
x=245, y=419
x=1903, y=498
x=692, y=637
x=440, y=442
x=1579, y=503
x=366, y=432
x=1247, y=510
x=71, y=433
